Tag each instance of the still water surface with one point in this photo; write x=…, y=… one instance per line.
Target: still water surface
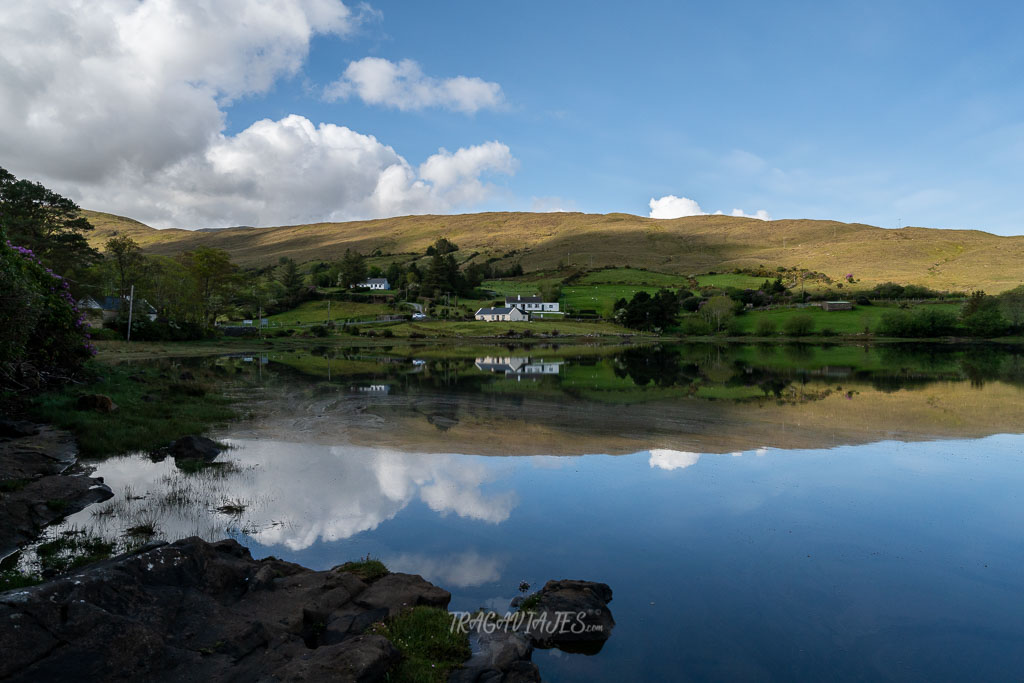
x=761, y=514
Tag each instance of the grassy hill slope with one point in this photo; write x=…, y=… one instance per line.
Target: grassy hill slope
x=942, y=259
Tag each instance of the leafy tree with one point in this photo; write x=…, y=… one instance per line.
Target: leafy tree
x=441, y=247
x=43, y=221
x=126, y=257
x=718, y=311
x=394, y=275
x=353, y=269
x=982, y=316
x=213, y=274
x=691, y=304
x=1012, y=305
x=291, y=280
x=644, y=312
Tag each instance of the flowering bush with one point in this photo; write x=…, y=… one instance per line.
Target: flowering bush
x=39, y=321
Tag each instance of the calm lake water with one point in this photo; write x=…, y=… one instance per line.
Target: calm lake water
x=761, y=513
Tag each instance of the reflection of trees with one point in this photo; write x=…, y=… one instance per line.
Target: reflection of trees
x=645, y=365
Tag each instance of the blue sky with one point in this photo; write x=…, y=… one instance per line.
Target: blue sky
x=885, y=113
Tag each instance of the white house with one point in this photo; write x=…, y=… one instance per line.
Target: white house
x=109, y=308
x=506, y=314
x=518, y=366
x=376, y=283
x=531, y=304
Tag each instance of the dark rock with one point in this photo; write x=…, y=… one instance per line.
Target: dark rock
x=36, y=466
x=187, y=611
x=97, y=402
x=361, y=659
x=194, y=448
x=397, y=591
x=15, y=429
x=572, y=616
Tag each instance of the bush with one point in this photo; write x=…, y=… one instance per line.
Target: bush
x=318, y=331
x=39, y=321
x=691, y=303
x=799, y=325
x=693, y=325
x=917, y=323
x=987, y=322
x=863, y=301
x=765, y=327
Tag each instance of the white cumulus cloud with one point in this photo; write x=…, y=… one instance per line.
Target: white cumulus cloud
x=403, y=85
x=667, y=459
x=122, y=104
x=671, y=206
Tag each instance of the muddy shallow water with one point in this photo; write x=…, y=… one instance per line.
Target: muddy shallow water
x=760, y=514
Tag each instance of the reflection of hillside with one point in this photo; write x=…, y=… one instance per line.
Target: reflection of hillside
x=494, y=424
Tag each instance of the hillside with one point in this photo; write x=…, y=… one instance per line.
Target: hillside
x=941, y=259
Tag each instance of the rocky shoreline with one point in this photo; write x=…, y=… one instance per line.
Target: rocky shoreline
x=40, y=481
x=193, y=610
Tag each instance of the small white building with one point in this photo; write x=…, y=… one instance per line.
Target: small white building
x=109, y=308
x=531, y=304
x=509, y=314
x=518, y=366
x=376, y=283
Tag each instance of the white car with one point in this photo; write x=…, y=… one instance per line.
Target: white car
x=419, y=316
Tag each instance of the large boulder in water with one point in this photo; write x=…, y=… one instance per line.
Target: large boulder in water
x=194, y=448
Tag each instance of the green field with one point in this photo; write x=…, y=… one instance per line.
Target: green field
x=600, y=298
x=316, y=312
x=859, y=320
x=633, y=276
x=723, y=280
x=522, y=285
x=487, y=329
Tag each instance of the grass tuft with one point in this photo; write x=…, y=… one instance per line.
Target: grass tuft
x=367, y=568
x=430, y=647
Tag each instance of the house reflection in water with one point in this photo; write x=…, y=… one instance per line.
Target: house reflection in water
x=518, y=366
x=374, y=389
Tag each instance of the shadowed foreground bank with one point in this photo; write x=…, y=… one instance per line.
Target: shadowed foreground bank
x=193, y=610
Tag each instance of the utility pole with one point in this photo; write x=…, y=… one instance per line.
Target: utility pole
x=131, y=304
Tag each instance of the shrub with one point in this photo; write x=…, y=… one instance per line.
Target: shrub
x=318, y=331
x=918, y=323
x=765, y=327
x=39, y=321
x=799, y=325
x=694, y=325
x=691, y=303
